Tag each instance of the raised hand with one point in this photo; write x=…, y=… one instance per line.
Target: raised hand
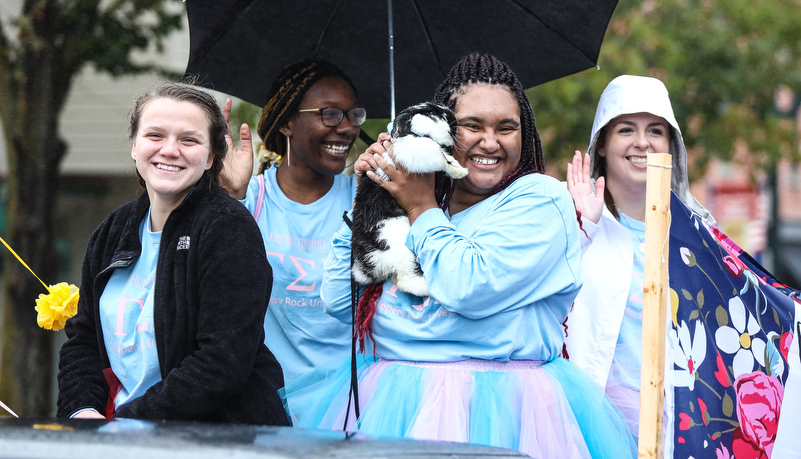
x=238, y=164
x=579, y=184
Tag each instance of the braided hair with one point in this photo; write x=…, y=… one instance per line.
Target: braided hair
x=285, y=96
x=486, y=68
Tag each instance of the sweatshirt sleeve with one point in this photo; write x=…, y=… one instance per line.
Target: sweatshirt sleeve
x=590, y=231
x=525, y=249
x=335, y=289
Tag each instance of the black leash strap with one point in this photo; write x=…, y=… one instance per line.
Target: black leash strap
x=353, y=395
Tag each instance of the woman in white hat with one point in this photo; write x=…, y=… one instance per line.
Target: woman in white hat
x=604, y=329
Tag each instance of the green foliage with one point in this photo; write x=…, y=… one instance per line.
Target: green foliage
x=720, y=60
x=244, y=112
x=74, y=33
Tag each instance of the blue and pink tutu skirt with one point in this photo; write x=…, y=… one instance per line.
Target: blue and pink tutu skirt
x=546, y=410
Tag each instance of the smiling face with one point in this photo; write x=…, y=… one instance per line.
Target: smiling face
x=316, y=147
x=171, y=149
x=628, y=139
x=489, y=139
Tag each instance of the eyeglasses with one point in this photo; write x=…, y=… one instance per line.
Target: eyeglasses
x=333, y=116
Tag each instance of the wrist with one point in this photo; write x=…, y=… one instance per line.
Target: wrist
x=417, y=211
x=238, y=193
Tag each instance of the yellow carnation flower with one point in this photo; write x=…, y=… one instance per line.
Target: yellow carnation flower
x=57, y=306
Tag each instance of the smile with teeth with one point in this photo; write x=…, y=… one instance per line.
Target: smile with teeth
x=485, y=161
x=166, y=167
x=337, y=149
x=638, y=160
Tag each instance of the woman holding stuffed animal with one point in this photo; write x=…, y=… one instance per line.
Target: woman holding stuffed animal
x=478, y=359
x=173, y=294
x=604, y=329
x=310, y=121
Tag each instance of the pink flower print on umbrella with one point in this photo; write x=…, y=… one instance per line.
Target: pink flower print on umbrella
x=784, y=344
x=723, y=453
x=721, y=374
x=759, y=401
x=734, y=266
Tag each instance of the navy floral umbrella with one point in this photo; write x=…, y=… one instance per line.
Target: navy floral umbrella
x=732, y=333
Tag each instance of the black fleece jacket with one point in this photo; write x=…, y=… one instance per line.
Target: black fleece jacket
x=211, y=294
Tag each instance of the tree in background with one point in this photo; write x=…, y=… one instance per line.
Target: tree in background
x=41, y=51
x=721, y=62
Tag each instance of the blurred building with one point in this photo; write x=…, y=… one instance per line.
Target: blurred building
x=788, y=256
x=742, y=204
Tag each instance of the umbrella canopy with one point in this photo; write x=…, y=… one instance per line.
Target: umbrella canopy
x=239, y=46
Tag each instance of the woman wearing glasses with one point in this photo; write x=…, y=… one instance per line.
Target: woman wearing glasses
x=310, y=121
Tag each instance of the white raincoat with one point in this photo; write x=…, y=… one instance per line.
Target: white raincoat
x=593, y=324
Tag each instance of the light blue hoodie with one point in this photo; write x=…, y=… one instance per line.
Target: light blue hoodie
x=501, y=274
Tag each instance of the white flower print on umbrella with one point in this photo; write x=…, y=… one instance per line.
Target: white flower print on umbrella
x=738, y=338
x=687, y=354
x=687, y=256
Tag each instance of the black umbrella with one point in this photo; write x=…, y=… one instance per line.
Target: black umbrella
x=239, y=46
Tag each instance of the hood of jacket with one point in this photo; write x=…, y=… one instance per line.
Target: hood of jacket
x=629, y=94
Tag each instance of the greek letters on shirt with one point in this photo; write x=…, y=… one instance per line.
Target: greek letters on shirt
x=308, y=290
x=137, y=283
x=636, y=296
x=298, y=264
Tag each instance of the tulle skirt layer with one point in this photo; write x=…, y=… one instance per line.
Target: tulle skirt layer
x=628, y=402
x=546, y=410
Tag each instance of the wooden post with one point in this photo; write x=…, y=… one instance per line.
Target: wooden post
x=654, y=307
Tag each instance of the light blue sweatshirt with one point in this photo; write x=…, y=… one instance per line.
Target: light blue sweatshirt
x=501, y=274
x=297, y=238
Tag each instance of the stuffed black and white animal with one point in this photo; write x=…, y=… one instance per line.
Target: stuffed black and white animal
x=422, y=139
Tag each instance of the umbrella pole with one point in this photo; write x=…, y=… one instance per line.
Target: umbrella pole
x=391, y=63
x=655, y=294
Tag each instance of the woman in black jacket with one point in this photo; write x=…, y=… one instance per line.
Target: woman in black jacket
x=174, y=292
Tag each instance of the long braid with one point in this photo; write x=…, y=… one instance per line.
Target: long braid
x=285, y=96
x=365, y=311
x=485, y=68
